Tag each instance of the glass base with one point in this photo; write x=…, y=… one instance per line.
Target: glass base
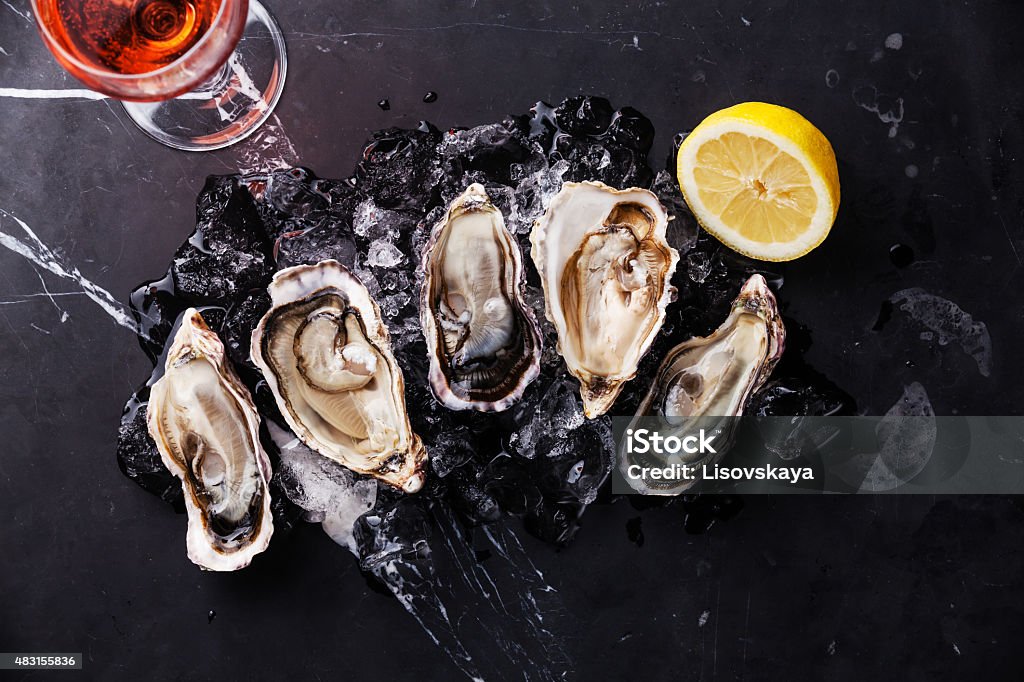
x=230, y=105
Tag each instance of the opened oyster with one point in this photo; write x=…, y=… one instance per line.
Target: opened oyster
x=326, y=356
x=705, y=381
x=482, y=339
x=207, y=431
x=605, y=267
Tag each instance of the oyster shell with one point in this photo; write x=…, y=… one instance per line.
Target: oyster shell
x=705, y=381
x=326, y=356
x=206, y=429
x=482, y=339
x=605, y=267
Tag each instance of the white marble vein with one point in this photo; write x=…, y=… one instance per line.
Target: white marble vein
x=21, y=13
x=35, y=251
x=80, y=93
x=35, y=93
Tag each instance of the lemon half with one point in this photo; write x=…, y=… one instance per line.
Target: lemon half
x=762, y=179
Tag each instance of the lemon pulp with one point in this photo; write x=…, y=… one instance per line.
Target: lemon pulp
x=762, y=179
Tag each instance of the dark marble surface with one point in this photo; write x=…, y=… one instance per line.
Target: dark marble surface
x=923, y=105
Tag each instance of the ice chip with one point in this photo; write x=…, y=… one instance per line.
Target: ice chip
x=906, y=436
x=383, y=254
x=698, y=266
x=947, y=322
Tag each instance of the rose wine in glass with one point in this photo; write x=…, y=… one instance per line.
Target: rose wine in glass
x=193, y=74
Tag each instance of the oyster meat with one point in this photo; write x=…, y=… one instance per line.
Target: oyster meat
x=326, y=356
x=705, y=381
x=206, y=429
x=482, y=339
x=605, y=267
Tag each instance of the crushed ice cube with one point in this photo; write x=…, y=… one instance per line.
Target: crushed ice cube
x=383, y=254
x=698, y=266
x=327, y=491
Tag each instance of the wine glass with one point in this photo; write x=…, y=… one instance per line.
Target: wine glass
x=192, y=74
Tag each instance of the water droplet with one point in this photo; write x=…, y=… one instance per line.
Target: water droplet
x=634, y=531
x=894, y=41
x=384, y=104
x=430, y=97
x=575, y=472
x=210, y=616
x=911, y=171
x=901, y=255
x=884, y=315
x=831, y=78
